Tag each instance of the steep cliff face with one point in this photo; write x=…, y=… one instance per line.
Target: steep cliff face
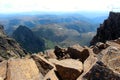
x=9, y=47
x=109, y=30
x=28, y=40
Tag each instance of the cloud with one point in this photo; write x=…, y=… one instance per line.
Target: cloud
x=56, y=5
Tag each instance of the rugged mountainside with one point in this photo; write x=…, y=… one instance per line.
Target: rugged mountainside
x=28, y=40
x=97, y=62
x=9, y=47
x=109, y=30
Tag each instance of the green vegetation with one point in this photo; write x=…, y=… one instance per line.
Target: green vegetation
x=49, y=44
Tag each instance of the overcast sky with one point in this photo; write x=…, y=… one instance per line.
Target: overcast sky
x=9, y=6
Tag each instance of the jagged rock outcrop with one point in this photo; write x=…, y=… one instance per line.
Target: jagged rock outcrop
x=101, y=66
x=108, y=62
x=68, y=69
x=28, y=40
x=109, y=30
x=105, y=60
x=9, y=47
x=74, y=52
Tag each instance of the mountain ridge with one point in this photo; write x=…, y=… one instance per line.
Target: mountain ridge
x=28, y=40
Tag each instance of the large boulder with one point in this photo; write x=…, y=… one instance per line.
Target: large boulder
x=73, y=52
x=43, y=65
x=3, y=69
x=22, y=69
x=68, y=69
x=78, y=52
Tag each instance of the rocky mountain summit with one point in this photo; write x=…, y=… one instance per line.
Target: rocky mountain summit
x=109, y=30
x=97, y=62
x=84, y=64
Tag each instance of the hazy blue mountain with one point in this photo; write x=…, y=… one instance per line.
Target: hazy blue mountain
x=36, y=18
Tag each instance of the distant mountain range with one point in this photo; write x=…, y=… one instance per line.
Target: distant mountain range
x=33, y=20
x=56, y=29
